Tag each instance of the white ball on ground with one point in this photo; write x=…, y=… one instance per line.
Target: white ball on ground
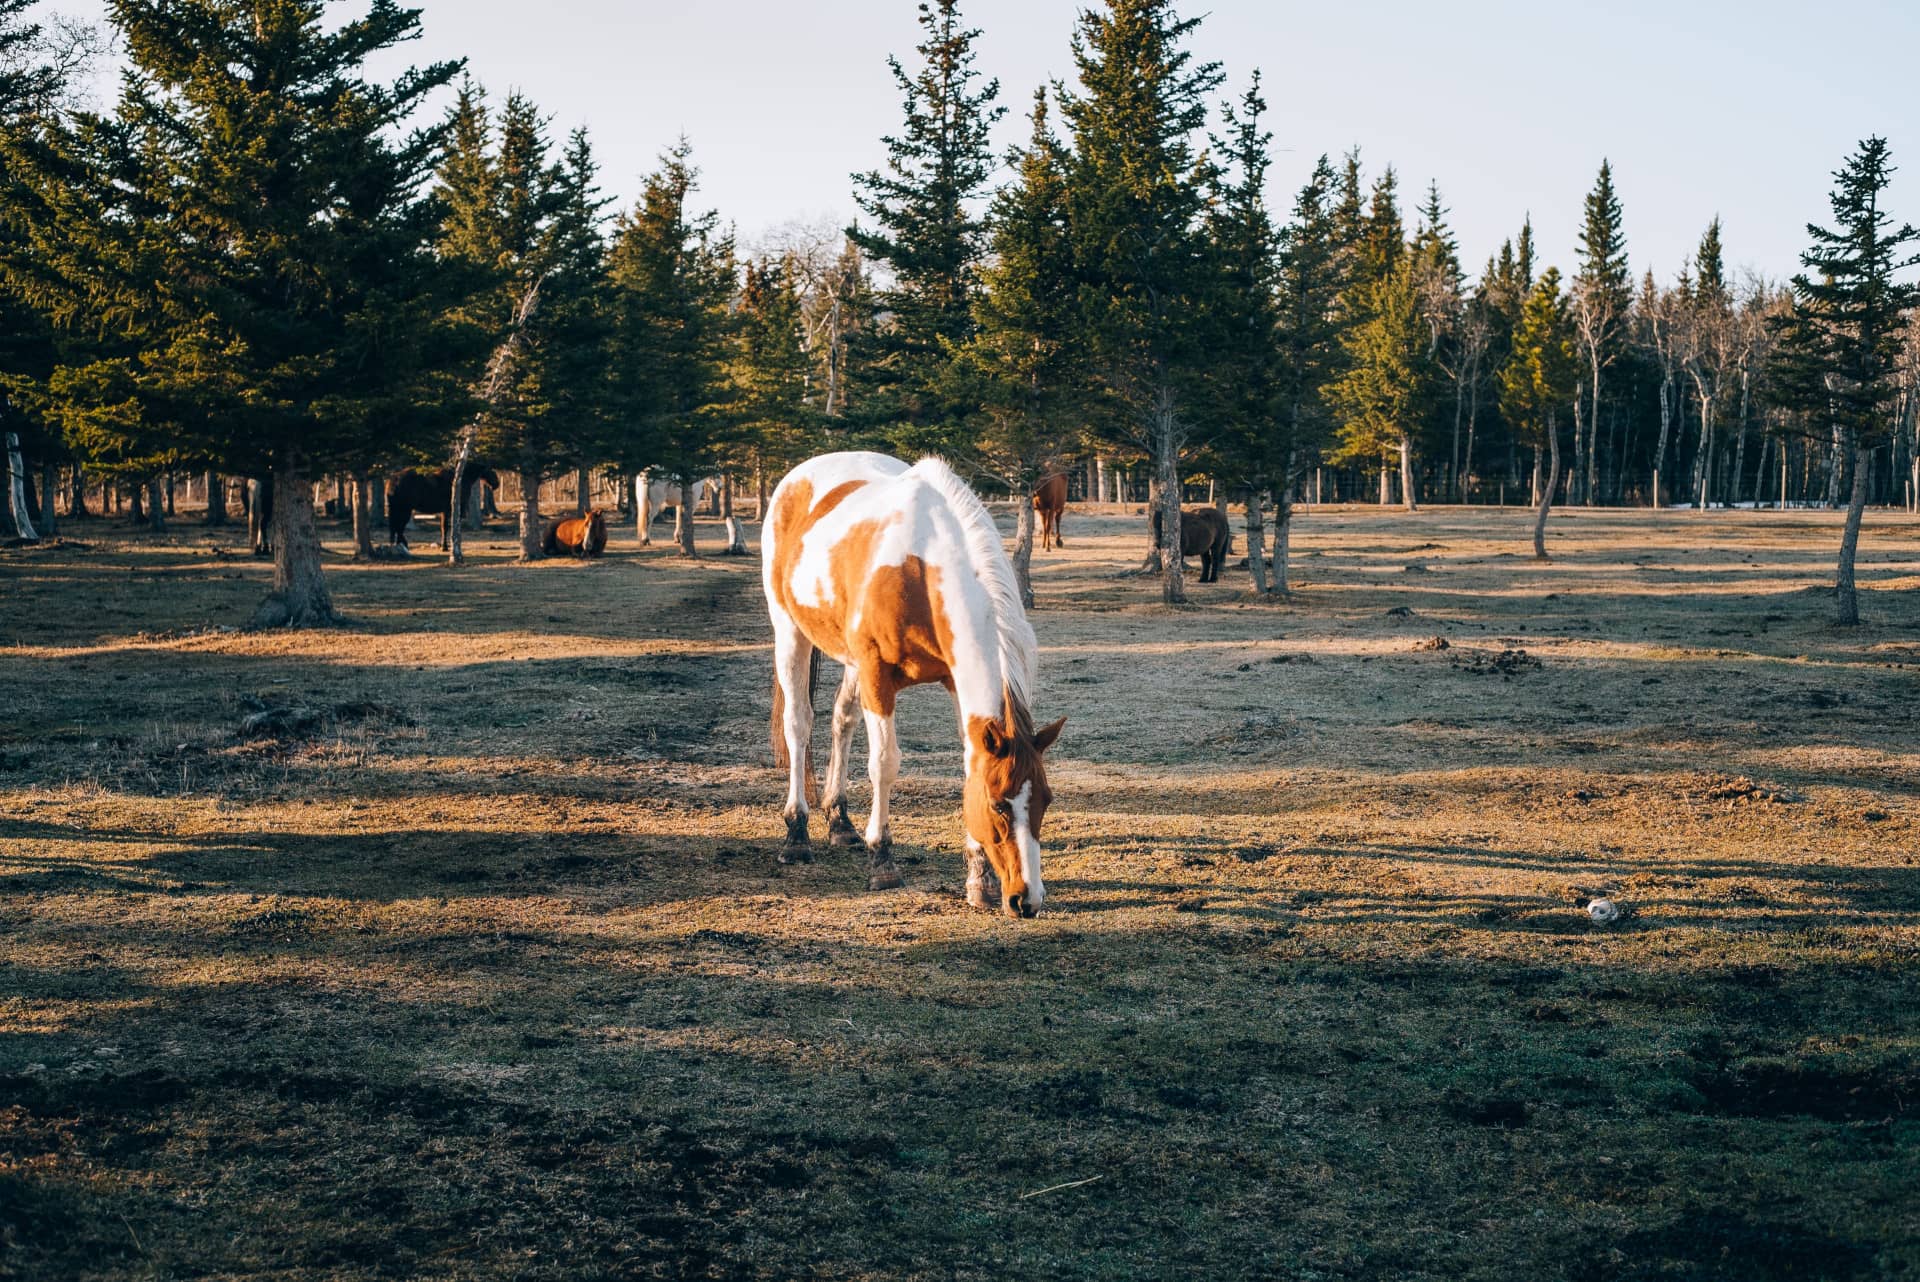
x=1602, y=911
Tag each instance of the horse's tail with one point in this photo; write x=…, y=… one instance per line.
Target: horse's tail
x=782, y=760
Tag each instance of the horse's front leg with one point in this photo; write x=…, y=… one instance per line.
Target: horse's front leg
x=833, y=795
x=883, y=765
x=983, y=884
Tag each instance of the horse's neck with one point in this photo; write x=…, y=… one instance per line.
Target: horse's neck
x=979, y=679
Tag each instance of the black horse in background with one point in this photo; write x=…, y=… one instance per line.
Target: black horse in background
x=429, y=495
x=1204, y=533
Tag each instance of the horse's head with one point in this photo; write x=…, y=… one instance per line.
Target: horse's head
x=1006, y=800
x=596, y=533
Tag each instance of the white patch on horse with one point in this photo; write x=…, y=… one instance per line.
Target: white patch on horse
x=1029, y=844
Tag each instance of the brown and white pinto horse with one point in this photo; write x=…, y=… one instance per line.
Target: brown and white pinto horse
x=899, y=573
x=584, y=536
x=1050, y=500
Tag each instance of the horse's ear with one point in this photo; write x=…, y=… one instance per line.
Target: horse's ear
x=1043, y=738
x=994, y=739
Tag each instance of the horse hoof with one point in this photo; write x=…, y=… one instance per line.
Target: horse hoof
x=845, y=835
x=884, y=877
x=796, y=854
x=977, y=896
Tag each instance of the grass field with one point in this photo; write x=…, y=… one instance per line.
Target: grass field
x=472, y=959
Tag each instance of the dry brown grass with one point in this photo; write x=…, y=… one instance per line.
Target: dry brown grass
x=488, y=970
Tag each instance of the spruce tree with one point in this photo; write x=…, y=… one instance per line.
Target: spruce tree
x=1842, y=336
x=1020, y=365
x=673, y=277
x=1136, y=193
x=1250, y=450
x=249, y=232
x=1601, y=302
x=1536, y=380
x=1312, y=279
x=770, y=367
x=525, y=231
x=924, y=231
x=1378, y=400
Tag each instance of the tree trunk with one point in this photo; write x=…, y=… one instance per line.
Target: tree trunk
x=761, y=491
x=17, y=492
x=1579, y=442
x=1846, y=600
x=1282, y=538
x=530, y=531
x=1593, y=433
x=736, y=533
x=156, y=507
x=1099, y=478
x=683, y=520
x=1023, y=541
x=300, y=598
x=1546, y=490
x=167, y=489
x=50, y=492
x=1406, y=474
x=216, y=499
x=1153, y=562
x=77, y=496
x=1257, y=535
x=582, y=491
x=462, y=455
x=1386, y=486
x=1173, y=587
x=362, y=518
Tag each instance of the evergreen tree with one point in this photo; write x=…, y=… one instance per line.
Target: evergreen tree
x=674, y=277
x=1249, y=375
x=1535, y=381
x=1312, y=279
x=1378, y=399
x=924, y=231
x=1601, y=301
x=771, y=369
x=1136, y=192
x=1451, y=357
x=1019, y=366
x=525, y=231
x=1383, y=236
x=1842, y=337
x=246, y=240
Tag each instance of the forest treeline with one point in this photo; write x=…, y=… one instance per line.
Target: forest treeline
x=261, y=262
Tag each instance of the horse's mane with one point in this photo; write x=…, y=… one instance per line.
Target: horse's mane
x=988, y=557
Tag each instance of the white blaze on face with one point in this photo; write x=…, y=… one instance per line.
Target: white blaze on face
x=1029, y=844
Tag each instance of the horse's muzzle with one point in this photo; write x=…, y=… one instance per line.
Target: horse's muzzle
x=1018, y=905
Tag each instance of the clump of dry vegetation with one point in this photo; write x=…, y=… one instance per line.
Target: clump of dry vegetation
x=451, y=943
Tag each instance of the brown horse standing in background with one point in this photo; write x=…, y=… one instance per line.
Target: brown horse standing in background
x=1203, y=533
x=1050, y=501
x=431, y=495
x=579, y=535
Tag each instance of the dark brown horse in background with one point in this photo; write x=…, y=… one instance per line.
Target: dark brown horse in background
x=430, y=495
x=584, y=536
x=1050, y=501
x=1204, y=533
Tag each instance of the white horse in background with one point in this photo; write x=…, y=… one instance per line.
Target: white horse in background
x=899, y=573
x=653, y=495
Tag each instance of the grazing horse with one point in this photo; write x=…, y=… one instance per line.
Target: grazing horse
x=655, y=494
x=584, y=536
x=1203, y=533
x=430, y=495
x=898, y=573
x=1050, y=500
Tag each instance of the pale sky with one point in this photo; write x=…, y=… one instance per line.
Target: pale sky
x=1704, y=106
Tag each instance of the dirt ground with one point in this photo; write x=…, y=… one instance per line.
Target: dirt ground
x=471, y=959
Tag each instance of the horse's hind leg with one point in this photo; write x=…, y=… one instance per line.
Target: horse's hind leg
x=883, y=764
x=793, y=707
x=833, y=794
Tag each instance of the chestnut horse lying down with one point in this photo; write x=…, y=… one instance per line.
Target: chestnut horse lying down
x=898, y=573
x=579, y=535
x=1203, y=533
x=1050, y=500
